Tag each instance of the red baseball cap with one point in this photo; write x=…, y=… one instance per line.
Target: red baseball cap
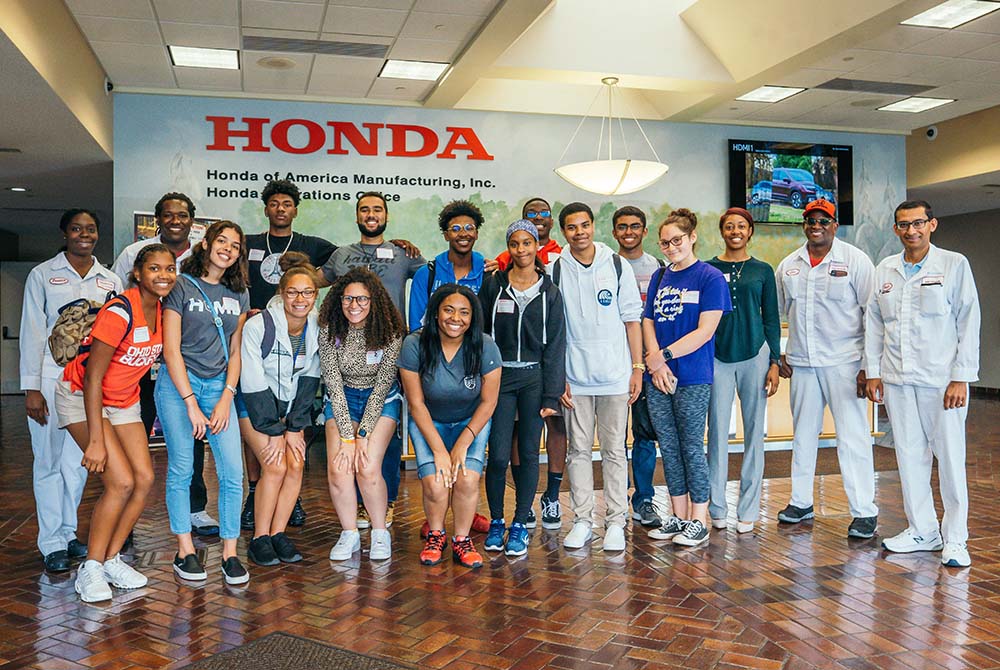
x=821, y=204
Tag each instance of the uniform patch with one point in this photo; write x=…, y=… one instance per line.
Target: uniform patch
x=886, y=287
x=105, y=284
x=58, y=281
x=792, y=272
x=604, y=297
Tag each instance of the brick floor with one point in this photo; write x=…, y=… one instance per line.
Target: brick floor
x=791, y=598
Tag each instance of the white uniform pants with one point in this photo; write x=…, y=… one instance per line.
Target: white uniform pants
x=57, y=477
x=812, y=389
x=921, y=430
x=610, y=413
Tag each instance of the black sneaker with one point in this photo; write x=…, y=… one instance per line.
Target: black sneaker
x=189, y=568
x=285, y=548
x=261, y=551
x=793, y=514
x=298, y=517
x=76, y=549
x=246, y=516
x=670, y=528
x=863, y=527
x=57, y=561
x=532, y=521
x=646, y=514
x=694, y=534
x=551, y=513
x=234, y=572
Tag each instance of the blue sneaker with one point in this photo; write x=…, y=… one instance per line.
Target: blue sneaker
x=494, y=539
x=517, y=540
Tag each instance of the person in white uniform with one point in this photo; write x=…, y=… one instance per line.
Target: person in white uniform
x=824, y=288
x=58, y=477
x=921, y=352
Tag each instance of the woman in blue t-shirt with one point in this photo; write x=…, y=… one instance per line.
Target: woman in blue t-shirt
x=684, y=304
x=451, y=376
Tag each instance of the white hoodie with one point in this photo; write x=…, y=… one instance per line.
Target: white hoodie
x=598, y=303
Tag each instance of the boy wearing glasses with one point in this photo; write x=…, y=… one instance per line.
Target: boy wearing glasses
x=539, y=212
x=823, y=289
x=921, y=352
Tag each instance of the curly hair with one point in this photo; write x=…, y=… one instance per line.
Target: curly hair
x=384, y=323
x=282, y=186
x=459, y=208
x=235, y=278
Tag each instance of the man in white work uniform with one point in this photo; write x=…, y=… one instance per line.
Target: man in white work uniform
x=921, y=352
x=824, y=288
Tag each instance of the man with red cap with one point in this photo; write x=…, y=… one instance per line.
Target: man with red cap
x=823, y=289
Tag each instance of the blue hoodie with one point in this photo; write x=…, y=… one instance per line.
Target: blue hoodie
x=444, y=273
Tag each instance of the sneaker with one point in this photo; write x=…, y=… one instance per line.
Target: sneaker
x=203, y=524
x=494, y=539
x=298, y=517
x=646, y=514
x=614, y=538
x=364, y=521
x=793, y=514
x=578, y=536
x=743, y=527
x=668, y=529
x=120, y=574
x=433, y=552
x=517, y=540
x=908, y=541
x=425, y=529
x=381, y=545
x=348, y=543
x=955, y=555
x=57, y=561
x=480, y=524
x=246, y=516
x=719, y=524
x=863, y=527
x=694, y=534
x=90, y=583
x=464, y=552
x=551, y=513
x=76, y=549
x=234, y=572
x=389, y=513
x=261, y=551
x=532, y=521
x=189, y=568
x=285, y=548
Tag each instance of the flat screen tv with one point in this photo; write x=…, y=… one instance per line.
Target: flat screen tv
x=775, y=180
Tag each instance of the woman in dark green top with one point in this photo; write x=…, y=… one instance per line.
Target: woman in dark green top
x=747, y=349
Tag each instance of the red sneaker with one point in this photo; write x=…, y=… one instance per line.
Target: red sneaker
x=433, y=551
x=464, y=552
x=480, y=524
x=426, y=528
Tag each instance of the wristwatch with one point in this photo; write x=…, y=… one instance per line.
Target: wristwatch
x=666, y=354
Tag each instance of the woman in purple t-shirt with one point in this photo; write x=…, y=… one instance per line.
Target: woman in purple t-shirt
x=684, y=304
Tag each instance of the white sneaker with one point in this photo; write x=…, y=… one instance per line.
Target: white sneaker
x=744, y=527
x=719, y=524
x=955, y=555
x=614, y=538
x=122, y=575
x=578, y=536
x=349, y=542
x=908, y=541
x=90, y=583
x=381, y=545
x=203, y=524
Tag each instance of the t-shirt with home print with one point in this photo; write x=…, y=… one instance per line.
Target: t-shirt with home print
x=675, y=302
x=136, y=349
x=201, y=346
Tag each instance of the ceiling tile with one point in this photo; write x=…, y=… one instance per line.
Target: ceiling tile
x=804, y=103
x=342, y=76
x=213, y=12
x=849, y=60
x=992, y=76
x=991, y=52
x=901, y=38
x=425, y=25
x=471, y=7
x=135, y=64
x=291, y=34
x=804, y=78
x=258, y=79
x=282, y=15
x=954, y=69
x=954, y=44
x=363, y=20
x=102, y=29
x=730, y=111
x=400, y=89
x=360, y=39
x=892, y=65
x=406, y=48
x=198, y=35
x=965, y=90
x=205, y=79
x=404, y=5
x=123, y=9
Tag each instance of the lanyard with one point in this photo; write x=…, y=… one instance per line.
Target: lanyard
x=216, y=319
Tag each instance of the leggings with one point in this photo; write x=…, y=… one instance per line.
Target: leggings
x=679, y=421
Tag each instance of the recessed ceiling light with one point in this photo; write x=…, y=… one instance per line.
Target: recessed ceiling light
x=915, y=104
x=412, y=69
x=224, y=59
x=952, y=13
x=18, y=189
x=770, y=94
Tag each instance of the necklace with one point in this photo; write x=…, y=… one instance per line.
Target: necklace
x=267, y=242
x=270, y=268
x=737, y=273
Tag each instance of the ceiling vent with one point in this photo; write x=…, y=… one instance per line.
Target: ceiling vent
x=319, y=47
x=865, y=86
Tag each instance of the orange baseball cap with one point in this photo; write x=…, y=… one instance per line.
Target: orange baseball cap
x=821, y=204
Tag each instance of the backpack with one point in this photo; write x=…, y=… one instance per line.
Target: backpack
x=270, y=332
x=615, y=258
x=431, y=271
x=69, y=337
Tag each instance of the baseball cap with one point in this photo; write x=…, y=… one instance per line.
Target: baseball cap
x=821, y=204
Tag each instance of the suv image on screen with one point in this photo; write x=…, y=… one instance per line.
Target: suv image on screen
x=794, y=186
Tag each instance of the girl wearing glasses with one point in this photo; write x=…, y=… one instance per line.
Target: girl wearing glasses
x=278, y=385
x=684, y=304
x=360, y=335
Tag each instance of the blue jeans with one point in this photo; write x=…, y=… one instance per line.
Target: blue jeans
x=643, y=466
x=226, y=448
x=357, y=400
x=475, y=457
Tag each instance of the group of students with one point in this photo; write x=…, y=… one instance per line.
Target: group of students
x=489, y=352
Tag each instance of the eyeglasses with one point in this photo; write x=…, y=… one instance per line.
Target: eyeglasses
x=457, y=227
x=812, y=222
x=675, y=242
x=625, y=227
x=307, y=293
x=544, y=214
x=917, y=224
x=362, y=300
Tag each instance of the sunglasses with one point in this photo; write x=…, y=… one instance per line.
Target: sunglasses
x=544, y=214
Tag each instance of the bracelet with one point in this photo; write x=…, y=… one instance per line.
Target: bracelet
x=639, y=366
x=232, y=389
x=474, y=436
x=348, y=441
x=188, y=395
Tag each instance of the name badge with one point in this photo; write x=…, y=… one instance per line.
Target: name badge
x=383, y=253
x=643, y=286
x=140, y=334
x=230, y=305
x=838, y=269
x=726, y=275
x=374, y=357
x=256, y=255
x=505, y=306
x=105, y=284
x=690, y=297
x=300, y=361
x=932, y=280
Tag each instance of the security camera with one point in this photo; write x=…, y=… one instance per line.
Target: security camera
x=931, y=133
x=108, y=86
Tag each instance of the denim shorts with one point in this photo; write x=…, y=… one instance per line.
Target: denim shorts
x=475, y=457
x=357, y=400
x=241, y=405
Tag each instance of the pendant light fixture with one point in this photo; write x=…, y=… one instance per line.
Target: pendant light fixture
x=611, y=176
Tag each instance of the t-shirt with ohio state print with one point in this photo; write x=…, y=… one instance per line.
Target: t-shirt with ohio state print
x=135, y=350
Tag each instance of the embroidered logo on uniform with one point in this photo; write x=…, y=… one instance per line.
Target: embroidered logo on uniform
x=470, y=382
x=792, y=272
x=58, y=280
x=105, y=284
x=604, y=297
x=886, y=287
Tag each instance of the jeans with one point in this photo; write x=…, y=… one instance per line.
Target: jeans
x=475, y=457
x=643, y=452
x=226, y=447
x=520, y=395
x=679, y=420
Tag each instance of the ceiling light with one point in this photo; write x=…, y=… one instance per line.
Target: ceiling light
x=770, y=94
x=412, y=69
x=18, y=189
x=915, y=104
x=224, y=59
x=952, y=13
